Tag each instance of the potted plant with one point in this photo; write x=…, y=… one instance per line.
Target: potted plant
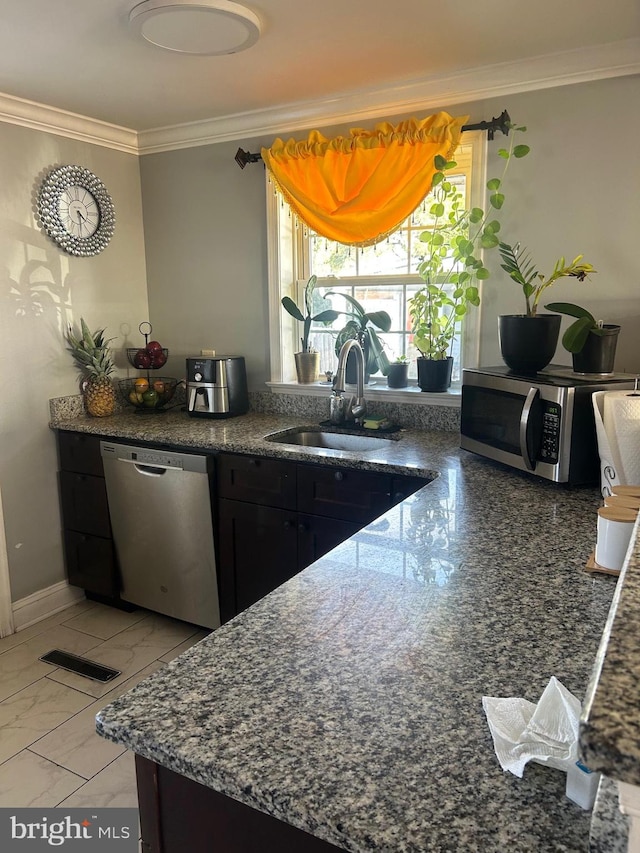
x=452, y=268
x=591, y=342
x=398, y=372
x=307, y=361
x=528, y=341
x=361, y=326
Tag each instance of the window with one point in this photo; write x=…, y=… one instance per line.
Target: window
x=380, y=277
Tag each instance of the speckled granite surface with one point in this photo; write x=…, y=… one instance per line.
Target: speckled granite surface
x=609, y=827
x=245, y=434
x=348, y=702
x=610, y=726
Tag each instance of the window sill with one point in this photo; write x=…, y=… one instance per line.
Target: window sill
x=375, y=390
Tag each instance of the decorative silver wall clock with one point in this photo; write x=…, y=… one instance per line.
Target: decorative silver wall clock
x=76, y=210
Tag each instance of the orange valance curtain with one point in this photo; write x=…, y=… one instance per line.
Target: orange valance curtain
x=356, y=189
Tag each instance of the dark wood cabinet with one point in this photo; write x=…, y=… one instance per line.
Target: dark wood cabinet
x=318, y=535
x=178, y=815
x=90, y=557
x=275, y=517
x=258, y=550
x=257, y=480
x=357, y=496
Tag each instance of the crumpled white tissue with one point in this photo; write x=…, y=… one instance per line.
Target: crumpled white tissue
x=546, y=732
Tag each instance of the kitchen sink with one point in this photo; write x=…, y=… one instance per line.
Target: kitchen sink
x=326, y=438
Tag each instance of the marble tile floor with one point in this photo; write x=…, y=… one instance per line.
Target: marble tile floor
x=50, y=754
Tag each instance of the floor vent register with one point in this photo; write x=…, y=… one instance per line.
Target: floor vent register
x=81, y=666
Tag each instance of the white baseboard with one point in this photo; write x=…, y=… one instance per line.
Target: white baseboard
x=37, y=606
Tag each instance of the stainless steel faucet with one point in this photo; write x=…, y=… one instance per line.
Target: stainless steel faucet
x=342, y=408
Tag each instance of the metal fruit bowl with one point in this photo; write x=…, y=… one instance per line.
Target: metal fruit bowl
x=141, y=359
x=148, y=395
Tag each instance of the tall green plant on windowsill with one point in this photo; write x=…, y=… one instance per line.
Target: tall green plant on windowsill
x=452, y=267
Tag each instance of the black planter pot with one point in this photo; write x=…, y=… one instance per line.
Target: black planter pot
x=528, y=344
x=434, y=374
x=598, y=355
x=397, y=377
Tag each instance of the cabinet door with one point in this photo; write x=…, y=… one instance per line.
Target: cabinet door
x=402, y=487
x=91, y=563
x=255, y=479
x=84, y=503
x=358, y=496
x=80, y=452
x=318, y=535
x=258, y=550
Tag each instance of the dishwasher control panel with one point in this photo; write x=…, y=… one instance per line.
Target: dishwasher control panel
x=153, y=457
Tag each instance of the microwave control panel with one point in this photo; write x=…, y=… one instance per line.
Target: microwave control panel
x=551, y=421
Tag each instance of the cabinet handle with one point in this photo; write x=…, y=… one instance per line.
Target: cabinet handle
x=287, y=525
x=338, y=476
x=302, y=527
x=254, y=462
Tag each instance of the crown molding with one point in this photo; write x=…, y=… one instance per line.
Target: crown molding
x=616, y=59
x=506, y=78
x=63, y=123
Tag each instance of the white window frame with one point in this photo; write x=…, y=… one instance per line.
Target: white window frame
x=288, y=268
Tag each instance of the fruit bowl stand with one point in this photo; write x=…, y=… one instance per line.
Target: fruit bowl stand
x=145, y=393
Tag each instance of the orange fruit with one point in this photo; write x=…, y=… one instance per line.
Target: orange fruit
x=141, y=385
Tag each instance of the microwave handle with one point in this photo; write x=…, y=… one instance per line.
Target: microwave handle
x=524, y=427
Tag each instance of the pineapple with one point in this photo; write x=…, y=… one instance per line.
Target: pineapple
x=92, y=354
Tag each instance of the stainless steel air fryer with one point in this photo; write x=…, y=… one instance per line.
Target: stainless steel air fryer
x=217, y=387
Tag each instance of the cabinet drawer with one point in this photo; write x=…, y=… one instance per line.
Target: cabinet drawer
x=80, y=453
x=84, y=503
x=358, y=496
x=269, y=482
x=91, y=563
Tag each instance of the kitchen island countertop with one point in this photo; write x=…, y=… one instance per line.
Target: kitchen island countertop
x=348, y=702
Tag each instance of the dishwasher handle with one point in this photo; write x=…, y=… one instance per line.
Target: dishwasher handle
x=150, y=470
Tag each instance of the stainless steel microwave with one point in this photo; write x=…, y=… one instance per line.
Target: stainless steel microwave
x=542, y=423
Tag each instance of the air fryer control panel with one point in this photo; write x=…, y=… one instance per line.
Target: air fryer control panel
x=202, y=369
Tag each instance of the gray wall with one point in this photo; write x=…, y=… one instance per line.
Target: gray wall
x=577, y=192
x=42, y=290
x=204, y=224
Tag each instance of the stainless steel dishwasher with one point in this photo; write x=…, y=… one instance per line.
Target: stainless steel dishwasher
x=160, y=508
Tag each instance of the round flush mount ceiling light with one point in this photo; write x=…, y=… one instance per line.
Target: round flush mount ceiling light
x=206, y=27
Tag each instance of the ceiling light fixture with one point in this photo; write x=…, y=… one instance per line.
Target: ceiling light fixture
x=205, y=27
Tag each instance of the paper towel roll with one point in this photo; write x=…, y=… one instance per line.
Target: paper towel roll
x=621, y=418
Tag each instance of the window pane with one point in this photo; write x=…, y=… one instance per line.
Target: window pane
x=328, y=258
x=388, y=257
x=382, y=277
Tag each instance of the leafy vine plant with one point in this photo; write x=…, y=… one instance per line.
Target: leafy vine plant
x=453, y=266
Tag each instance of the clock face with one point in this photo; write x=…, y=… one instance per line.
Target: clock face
x=76, y=210
x=79, y=212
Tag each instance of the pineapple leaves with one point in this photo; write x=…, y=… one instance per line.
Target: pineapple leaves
x=91, y=350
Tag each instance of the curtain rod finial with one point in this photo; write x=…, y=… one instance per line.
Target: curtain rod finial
x=244, y=157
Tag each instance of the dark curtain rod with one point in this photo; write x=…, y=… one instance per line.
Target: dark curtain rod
x=502, y=123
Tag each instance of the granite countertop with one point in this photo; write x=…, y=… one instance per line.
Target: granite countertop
x=348, y=702
x=610, y=725
x=405, y=452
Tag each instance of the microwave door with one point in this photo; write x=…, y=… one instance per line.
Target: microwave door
x=531, y=428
